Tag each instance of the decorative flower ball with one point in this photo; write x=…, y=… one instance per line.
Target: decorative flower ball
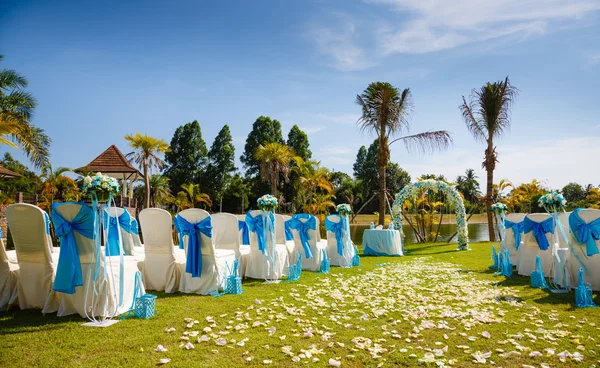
x=267, y=202
x=100, y=184
x=344, y=209
x=552, y=200
x=499, y=208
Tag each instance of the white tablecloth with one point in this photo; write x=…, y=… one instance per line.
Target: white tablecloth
x=382, y=242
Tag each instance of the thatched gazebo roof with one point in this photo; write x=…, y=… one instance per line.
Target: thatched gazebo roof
x=6, y=173
x=112, y=163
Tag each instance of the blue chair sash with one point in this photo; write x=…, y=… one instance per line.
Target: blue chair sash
x=585, y=233
x=47, y=219
x=517, y=230
x=68, y=271
x=303, y=228
x=338, y=228
x=194, y=252
x=288, y=232
x=245, y=234
x=123, y=221
x=540, y=229
x=134, y=226
x=176, y=223
x=256, y=225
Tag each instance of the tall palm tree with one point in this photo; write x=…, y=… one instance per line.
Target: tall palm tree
x=159, y=190
x=16, y=110
x=386, y=111
x=487, y=116
x=275, y=160
x=468, y=185
x=145, y=155
x=56, y=184
x=191, y=195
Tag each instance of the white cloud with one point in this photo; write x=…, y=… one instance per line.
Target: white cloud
x=346, y=119
x=336, y=150
x=311, y=129
x=434, y=25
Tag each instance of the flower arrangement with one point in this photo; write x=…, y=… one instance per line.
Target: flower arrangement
x=499, y=208
x=344, y=209
x=102, y=185
x=552, y=200
x=267, y=203
x=454, y=199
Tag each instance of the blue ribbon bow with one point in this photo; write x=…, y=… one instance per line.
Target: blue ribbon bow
x=288, y=232
x=517, y=230
x=134, y=226
x=68, y=272
x=256, y=225
x=113, y=245
x=194, y=252
x=338, y=228
x=585, y=233
x=303, y=228
x=245, y=234
x=539, y=230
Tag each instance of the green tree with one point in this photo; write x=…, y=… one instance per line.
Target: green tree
x=298, y=141
x=575, y=194
x=397, y=178
x=264, y=131
x=385, y=112
x=359, y=165
x=235, y=197
x=275, y=160
x=16, y=111
x=188, y=156
x=221, y=164
x=487, y=116
x=468, y=185
x=27, y=183
x=160, y=194
x=145, y=155
x=190, y=196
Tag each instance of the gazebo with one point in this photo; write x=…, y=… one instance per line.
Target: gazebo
x=114, y=164
x=6, y=173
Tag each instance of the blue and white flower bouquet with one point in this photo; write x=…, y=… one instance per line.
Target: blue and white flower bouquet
x=499, y=208
x=344, y=209
x=103, y=186
x=552, y=200
x=267, y=203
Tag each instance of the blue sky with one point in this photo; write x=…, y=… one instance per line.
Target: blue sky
x=101, y=70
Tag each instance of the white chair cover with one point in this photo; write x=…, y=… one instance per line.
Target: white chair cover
x=257, y=266
x=9, y=272
x=37, y=262
x=215, y=262
x=530, y=249
x=316, y=246
x=106, y=301
x=592, y=263
x=280, y=234
x=137, y=243
x=161, y=270
x=226, y=235
x=335, y=259
x=510, y=235
x=126, y=237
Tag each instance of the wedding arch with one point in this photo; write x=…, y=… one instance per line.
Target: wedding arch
x=412, y=191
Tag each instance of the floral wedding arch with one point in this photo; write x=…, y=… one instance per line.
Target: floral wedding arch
x=412, y=191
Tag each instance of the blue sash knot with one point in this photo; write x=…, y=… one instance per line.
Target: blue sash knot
x=303, y=228
x=540, y=229
x=338, y=228
x=585, y=233
x=194, y=252
x=517, y=230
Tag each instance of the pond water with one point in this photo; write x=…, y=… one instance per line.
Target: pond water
x=477, y=232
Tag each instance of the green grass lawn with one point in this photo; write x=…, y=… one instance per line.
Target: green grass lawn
x=433, y=304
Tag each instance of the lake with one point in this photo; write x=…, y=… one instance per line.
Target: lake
x=477, y=232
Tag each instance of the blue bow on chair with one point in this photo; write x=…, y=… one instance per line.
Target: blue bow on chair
x=194, y=252
x=338, y=228
x=134, y=226
x=245, y=234
x=114, y=223
x=256, y=225
x=539, y=230
x=68, y=272
x=288, y=232
x=585, y=233
x=47, y=223
x=517, y=230
x=303, y=228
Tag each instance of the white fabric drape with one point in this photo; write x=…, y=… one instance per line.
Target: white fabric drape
x=530, y=249
x=280, y=234
x=592, y=263
x=226, y=235
x=9, y=272
x=257, y=266
x=336, y=259
x=316, y=247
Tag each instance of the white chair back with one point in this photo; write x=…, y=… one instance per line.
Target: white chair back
x=85, y=245
x=194, y=216
x=157, y=227
x=226, y=231
x=279, y=229
x=27, y=225
x=125, y=236
x=313, y=235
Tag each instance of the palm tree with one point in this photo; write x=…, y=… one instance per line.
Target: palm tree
x=191, y=195
x=159, y=190
x=144, y=155
x=56, y=184
x=16, y=110
x=275, y=160
x=468, y=185
x=386, y=111
x=487, y=116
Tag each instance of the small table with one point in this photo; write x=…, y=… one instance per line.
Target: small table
x=382, y=242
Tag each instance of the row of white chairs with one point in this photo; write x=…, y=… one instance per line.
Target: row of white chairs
x=571, y=251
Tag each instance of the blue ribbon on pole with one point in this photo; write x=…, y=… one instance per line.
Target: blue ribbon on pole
x=257, y=225
x=68, y=271
x=245, y=234
x=338, y=228
x=539, y=230
x=585, y=233
x=194, y=252
x=517, y=228
x=303, y=228
x=113, y=245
